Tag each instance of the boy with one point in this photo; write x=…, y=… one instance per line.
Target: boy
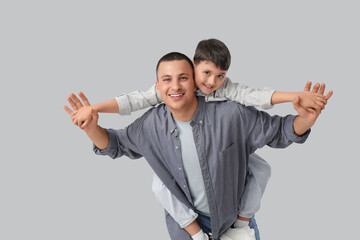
x=212, y=60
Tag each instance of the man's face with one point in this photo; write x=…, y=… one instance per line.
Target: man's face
x=208, y=76
x=176, y=85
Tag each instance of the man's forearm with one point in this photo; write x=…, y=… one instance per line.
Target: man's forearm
x=99, y=137
x=301, y=125
x=110, y=106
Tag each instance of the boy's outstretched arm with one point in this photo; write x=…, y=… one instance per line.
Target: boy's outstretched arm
x=97, y=134
x=311, y=100
x=123, y=104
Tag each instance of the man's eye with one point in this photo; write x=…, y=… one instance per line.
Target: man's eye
x=183, y=78
x=166, y=79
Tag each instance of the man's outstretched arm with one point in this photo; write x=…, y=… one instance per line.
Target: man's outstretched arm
x=97, y=134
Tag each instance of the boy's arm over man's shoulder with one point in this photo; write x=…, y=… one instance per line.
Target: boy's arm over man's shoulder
x=242, y=94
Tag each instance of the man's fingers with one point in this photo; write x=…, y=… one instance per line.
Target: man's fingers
x=72, y=103
x=84, y=99
x=68, y=110
x=76, y=100
x=316, y=88
x=307, y=86
x=322, y=89
x=330, y=93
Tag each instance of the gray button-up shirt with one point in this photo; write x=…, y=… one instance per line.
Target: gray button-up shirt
x=225, y=133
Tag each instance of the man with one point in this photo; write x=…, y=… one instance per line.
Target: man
x=209, y=175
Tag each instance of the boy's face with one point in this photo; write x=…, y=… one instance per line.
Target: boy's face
x=208, y=77
x=176, y=84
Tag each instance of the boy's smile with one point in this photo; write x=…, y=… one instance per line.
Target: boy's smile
x=208, y=76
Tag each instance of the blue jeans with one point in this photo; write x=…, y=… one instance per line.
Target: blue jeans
x=205, y=225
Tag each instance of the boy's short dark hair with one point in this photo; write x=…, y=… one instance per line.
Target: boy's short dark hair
x=175, y=56
x=215, y=51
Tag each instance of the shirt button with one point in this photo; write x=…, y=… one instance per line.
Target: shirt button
x=177, y=147
x=201, y=121
x=184, y=186
x=180, y=168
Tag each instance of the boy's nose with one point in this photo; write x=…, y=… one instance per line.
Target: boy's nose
x=211, y=80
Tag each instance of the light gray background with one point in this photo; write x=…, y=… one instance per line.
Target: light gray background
x=52, y=186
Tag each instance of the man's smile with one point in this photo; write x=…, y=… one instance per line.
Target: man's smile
x=176, y=96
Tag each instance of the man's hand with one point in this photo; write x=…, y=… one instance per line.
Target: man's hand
x=314, y=100
x=307, y=117
x=83, y=115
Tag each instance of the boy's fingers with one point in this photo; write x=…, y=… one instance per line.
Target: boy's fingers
x=68, y=110
x=316, y=88
x=84, y=124
x=94, y=114
x=330, y=93
x=76, y=101
x=84, y=99
x=321, y=99
x=307, y=86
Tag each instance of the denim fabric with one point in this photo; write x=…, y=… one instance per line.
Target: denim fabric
x=204, y=223
x=253, y=225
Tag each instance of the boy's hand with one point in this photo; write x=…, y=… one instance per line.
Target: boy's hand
x=83, y=116
x=307, y=117
x=314, y=100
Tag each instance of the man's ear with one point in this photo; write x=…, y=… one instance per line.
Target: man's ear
x=157, y=85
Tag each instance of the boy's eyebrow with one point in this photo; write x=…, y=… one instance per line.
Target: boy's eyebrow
x=223, y=72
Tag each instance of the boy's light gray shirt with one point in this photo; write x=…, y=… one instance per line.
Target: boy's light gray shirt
x=222, y=132
x=245, y=95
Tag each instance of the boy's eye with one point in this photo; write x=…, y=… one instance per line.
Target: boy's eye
x=221, y=76
x=206, y=72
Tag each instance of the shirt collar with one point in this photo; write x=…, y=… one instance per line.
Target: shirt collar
x=200, y=112
x=197, y=119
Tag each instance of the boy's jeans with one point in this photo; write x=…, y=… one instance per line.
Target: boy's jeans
x=205, y=224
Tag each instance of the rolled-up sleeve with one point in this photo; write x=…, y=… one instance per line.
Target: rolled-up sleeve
x=274, y=131
x=122, y=142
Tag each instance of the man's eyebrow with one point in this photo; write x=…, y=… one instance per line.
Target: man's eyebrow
x=181, y=74
x=165, y=76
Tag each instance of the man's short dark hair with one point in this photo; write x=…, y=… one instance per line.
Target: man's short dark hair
x=175, y=56
x=215, y=51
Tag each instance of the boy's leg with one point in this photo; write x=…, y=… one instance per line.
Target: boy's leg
x=178, y=212
x=256, y=181
x=181, y=213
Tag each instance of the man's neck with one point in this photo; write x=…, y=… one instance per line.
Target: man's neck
x=186, y=114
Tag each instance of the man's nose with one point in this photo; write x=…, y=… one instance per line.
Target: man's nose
x=176, y=85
